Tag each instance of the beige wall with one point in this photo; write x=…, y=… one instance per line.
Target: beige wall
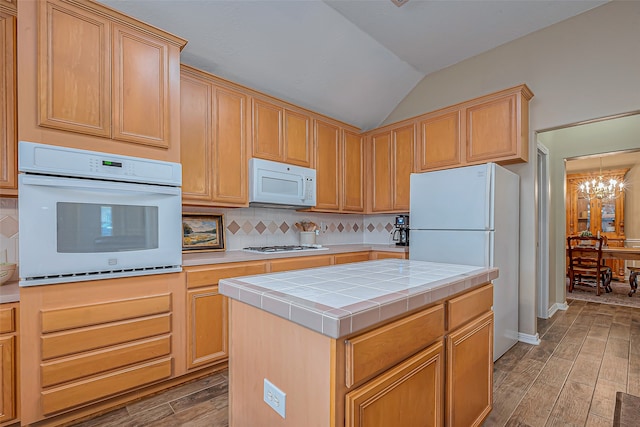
x=582, y=68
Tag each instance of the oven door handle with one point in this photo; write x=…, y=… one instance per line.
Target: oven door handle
x=93, y=185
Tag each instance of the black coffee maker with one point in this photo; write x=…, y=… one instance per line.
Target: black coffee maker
x=401, y=232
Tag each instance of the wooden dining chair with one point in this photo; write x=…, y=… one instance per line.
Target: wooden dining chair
x=585, y=263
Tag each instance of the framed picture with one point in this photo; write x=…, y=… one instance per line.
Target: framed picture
x=202, y=232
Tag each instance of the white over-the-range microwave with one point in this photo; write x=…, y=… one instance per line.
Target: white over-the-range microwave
x=274, y=184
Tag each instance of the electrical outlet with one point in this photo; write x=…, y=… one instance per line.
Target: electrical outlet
x=275, y=398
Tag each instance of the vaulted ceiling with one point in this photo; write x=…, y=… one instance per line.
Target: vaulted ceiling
x=353, y=60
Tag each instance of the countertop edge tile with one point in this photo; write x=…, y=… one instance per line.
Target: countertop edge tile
x=335, y=315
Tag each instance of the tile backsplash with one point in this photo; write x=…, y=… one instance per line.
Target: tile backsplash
x=9, y=231
x=264, y=227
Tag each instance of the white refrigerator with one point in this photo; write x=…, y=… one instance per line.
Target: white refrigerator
x=470, y=215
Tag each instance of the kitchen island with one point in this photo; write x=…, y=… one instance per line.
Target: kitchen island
x=362, y=344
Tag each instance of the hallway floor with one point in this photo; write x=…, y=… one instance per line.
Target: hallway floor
x=570, y=379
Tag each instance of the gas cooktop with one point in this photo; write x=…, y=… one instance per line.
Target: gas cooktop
x=283, y=248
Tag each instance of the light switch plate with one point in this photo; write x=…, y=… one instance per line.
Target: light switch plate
x=275, y=397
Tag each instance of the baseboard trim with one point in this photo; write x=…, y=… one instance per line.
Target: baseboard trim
x=557, y=306
x=528, y=338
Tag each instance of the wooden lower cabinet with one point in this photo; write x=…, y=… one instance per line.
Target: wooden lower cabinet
x=8, y=362
x=87, y=342
x=207, y=326
x=409, y=394
x=469, y=387
x=385, y=255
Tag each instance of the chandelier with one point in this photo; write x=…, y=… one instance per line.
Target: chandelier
x=600, y=188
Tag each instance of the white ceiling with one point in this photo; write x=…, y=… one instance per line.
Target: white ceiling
x=353, y=60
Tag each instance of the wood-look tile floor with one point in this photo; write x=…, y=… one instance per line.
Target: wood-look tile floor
x=586, y=355
x=570, y=379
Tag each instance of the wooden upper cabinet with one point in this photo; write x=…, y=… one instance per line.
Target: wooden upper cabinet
x=327, y=137
x=267, y=130
x=280, y=134
x=439, y=141
x=75, y=69
x=381, y=164
x=391, y=166
x=213, y=141
x=402, y=155
x=352, y=169
x=196, y=138
x=297, y=146
x=140, y=99
x=8, y=131
x=497, y=127
x=491, y=128
x=104, y=74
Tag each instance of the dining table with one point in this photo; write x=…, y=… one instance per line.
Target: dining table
x=626, y=254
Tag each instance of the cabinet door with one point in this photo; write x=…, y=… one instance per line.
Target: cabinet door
x=382, y=192
x=140, y=79
x=409, y=394
x=267, y=130
x=196, y=139
x=352, y=172
x=439, y=143
x=492, y=131
x=7, y=379
x=207, y=326
x=74, y=69
x=8, y=132
x=402, y=155
x=297, y=142
x=230, y=148
x=470, y=373
x=327, y=137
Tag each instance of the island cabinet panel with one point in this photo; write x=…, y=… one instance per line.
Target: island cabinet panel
x=409, y=394
x=8, y=121
x=109, y=82
x=9, y=322
x=213, y=128
x=469, y=385
x=97, y=340
x=384, y=347
x=439, y=141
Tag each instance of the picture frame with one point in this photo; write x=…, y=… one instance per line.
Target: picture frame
x=202, y=232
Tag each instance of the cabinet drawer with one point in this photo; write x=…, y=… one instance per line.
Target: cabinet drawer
x=7, y=320
x=97, y=362
x=301, y=262
x=386, y=346
x=352, y=257
x=78, y=317
x=75, y=394
x=207, y=276
x=76, y=341
x=468, y=306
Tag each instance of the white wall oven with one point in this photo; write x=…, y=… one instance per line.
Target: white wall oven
x=85, y=215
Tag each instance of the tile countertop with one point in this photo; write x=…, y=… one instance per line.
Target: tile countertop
x=343, y=299
x=201, y=258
